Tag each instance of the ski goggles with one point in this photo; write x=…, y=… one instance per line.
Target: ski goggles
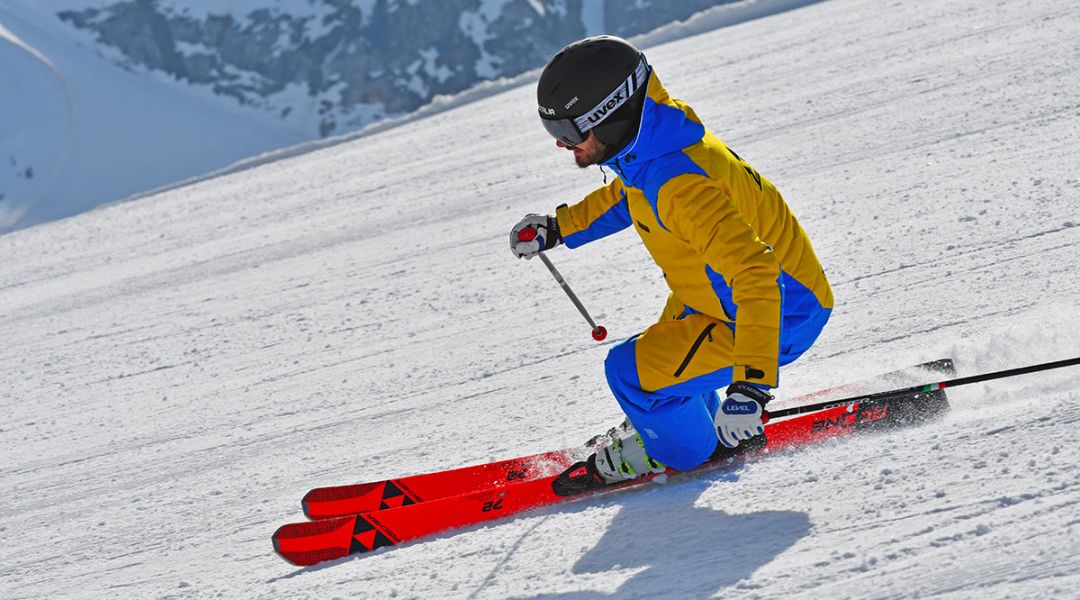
x=573, y=131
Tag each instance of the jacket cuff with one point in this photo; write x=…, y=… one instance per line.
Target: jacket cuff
x=755, y=377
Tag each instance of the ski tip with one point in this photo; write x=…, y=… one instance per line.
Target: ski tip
x=334, y=501
x=311, y=542
x=341, y=492
x=310, y=528
x=312, y=557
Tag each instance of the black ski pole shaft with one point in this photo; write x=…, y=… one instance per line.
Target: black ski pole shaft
x=598, y=331
x=928, y=387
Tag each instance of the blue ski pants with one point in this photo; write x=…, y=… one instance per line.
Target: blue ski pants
x=687, y=356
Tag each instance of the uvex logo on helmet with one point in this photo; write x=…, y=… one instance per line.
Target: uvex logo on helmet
x=600, y=112
x=616, y=99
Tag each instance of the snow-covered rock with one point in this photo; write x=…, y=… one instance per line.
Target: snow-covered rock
x=115, y=97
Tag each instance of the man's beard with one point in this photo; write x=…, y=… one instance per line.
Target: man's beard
x=589, y=160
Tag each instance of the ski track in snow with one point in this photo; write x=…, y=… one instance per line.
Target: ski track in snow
x=179, y=370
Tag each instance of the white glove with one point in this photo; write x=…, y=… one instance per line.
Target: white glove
x=739, y=416
x=533, y=235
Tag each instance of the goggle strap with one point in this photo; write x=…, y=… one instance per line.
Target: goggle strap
x=622, y=94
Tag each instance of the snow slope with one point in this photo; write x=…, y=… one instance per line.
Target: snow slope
x=179, y=370
x=92, y=131
x=84, y=123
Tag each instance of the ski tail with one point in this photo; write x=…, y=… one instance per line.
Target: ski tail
x=883, y=412
x=893, y=380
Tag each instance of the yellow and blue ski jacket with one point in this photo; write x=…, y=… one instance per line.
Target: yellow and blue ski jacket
x=727, y=243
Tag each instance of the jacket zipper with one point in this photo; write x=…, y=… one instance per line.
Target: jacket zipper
x=694, y=348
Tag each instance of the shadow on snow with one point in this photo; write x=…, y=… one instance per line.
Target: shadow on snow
x=687, y=550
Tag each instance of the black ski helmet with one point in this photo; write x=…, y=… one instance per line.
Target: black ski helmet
x=595, y=84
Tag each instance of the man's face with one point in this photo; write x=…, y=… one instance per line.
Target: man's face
x=589, y=152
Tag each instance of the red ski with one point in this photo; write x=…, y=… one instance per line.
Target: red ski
x=337, y=501
x=344, y=500
x=311, y=542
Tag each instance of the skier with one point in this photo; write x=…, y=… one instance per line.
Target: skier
x=747, y=292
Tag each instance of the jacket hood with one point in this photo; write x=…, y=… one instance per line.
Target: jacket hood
x=666, y=126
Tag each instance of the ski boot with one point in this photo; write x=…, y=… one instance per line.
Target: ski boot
x=620, y=456
x=622, y=430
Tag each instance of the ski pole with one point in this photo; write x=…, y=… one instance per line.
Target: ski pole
x=598, y=331
x=928, y=387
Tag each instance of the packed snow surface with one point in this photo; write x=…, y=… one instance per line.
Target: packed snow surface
x=179, y=370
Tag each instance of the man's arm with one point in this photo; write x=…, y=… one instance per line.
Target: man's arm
x=701, y=212
x=599, y=214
